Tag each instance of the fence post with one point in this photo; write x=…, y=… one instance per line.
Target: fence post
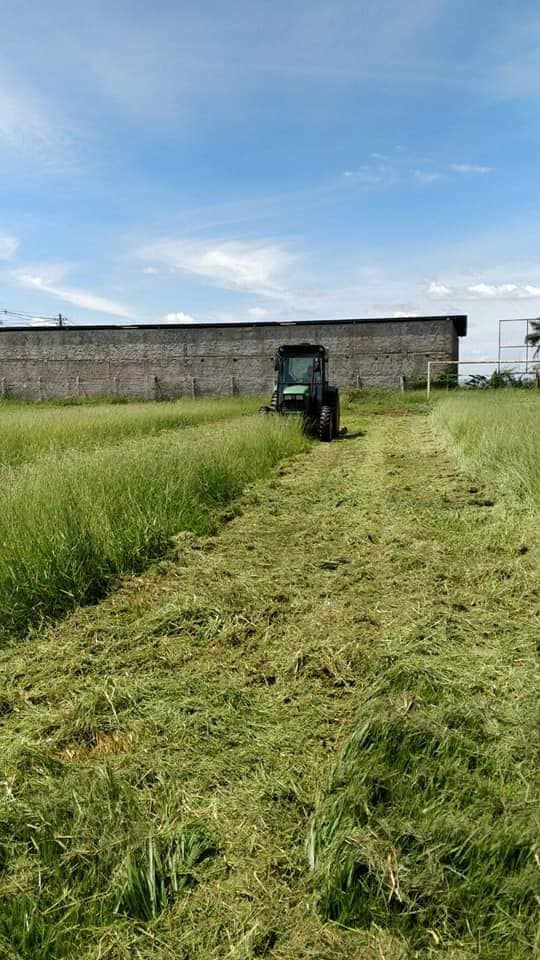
x=193, y=388
x=3, y=388
x=78, y=385
x=402, y=383
x=40, y=389
x=357, y=381
x=115, y=386
x=233, y=387
x=428, y=379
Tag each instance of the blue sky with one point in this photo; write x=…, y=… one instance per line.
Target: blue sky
x=284, y=160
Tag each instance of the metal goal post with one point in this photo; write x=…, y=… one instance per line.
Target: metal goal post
x=530, y=367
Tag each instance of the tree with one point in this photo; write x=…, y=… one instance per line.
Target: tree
x=534, y=337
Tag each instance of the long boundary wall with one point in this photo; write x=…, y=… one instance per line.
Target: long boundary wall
x=166, y=360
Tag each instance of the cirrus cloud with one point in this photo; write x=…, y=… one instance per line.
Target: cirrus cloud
x=47, y=280
x=232, y=265
x=471, y=168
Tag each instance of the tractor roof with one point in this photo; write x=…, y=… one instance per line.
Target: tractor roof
x=295, y=348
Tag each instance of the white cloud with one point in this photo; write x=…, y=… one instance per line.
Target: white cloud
x=369, y=175
x=402, y=313
x=426, y=176
x=470, y=168
x=178, y=317
x=437, y=290
x=255, y=267
x=258, y=313
x=502, y=291
x=47, y=282
x=150, y=271
x=484, y=291
x=8, y=246
x=389, y=173
x=490, y=290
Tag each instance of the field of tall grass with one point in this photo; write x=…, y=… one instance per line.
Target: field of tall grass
x=31, y=431
x=74, y=518
x=496, y=435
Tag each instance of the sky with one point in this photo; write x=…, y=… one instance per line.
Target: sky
x=187, y=162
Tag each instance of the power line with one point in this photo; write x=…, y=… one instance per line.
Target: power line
x=59, y=319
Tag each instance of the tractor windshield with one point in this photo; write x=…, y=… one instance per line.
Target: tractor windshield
x=298, y=370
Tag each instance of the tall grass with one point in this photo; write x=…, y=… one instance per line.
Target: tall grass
x=30, y=431
x=69, y=523
x=497, y=437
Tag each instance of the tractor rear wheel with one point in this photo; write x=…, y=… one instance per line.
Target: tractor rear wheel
x=326, y=424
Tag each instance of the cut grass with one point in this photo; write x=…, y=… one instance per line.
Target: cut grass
x=427, y=825
x=31, y=431
x=64, y=845
x=68, y=524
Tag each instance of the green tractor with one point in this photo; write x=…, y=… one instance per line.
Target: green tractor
x=301, y=389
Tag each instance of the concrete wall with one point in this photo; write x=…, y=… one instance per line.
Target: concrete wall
x=173, y=361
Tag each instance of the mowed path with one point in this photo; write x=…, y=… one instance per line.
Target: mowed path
x=233, y=671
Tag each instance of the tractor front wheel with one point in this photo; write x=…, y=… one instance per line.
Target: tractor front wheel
x=326, y=424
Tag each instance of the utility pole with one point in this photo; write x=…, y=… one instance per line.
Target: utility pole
x=61, y=320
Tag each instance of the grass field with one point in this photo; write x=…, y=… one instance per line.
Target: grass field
x=496, y=436
x=29, y=432
x=306, y=734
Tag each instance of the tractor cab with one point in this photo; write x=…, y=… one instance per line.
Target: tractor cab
x=300, y=372
x=301, y=388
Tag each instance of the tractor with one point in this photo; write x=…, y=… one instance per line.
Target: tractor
x=301, y=389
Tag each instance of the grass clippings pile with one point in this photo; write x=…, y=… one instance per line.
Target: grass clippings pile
x=87, y=858
x=427, y=826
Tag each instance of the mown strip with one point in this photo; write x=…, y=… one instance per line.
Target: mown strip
x=70, y=523
x=428, y=823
